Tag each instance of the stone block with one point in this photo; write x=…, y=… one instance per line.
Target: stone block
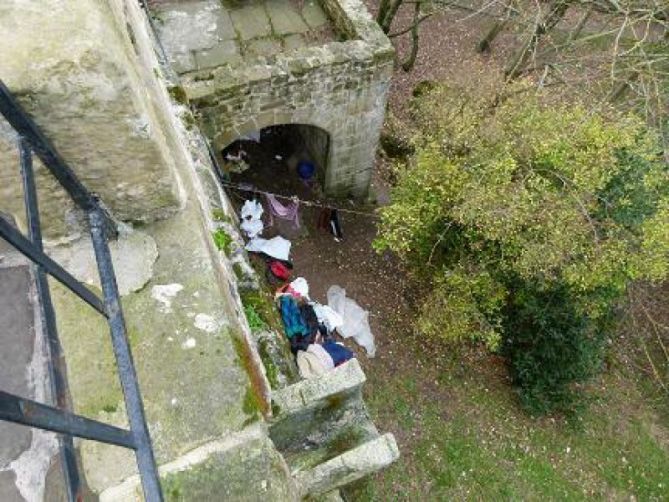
x=224, y=28
x=284, y=18
x=313, y=14
x=190, y=26
x=251, y=21
x=262, y=47
x=225, y=52
x=346, y=378
x=348, y=467
x=182, y=331
x=293, y=42
x=183, y=62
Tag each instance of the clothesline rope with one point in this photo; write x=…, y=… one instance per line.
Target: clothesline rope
x=294, y=198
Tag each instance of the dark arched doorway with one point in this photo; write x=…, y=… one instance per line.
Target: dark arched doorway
x=273, y=159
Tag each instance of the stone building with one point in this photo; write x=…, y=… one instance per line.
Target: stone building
x=134, y=114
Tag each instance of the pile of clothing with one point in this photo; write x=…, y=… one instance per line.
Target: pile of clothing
x=310, y=328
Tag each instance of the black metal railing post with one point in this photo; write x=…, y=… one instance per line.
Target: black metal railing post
x=126, y=369
x=60, y=419
x=56, y=360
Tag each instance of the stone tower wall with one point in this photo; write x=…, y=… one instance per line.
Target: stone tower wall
x=76, y=68
x=340, y=87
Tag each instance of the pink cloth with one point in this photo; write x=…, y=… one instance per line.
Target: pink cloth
x=285, y=212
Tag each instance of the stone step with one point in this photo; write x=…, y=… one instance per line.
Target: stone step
x=321, y=425
x=348, y=467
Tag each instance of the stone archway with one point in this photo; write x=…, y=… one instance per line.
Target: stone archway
x=286, y=145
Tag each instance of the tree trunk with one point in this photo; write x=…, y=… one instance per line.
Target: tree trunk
x=487, y=40
x=555, y=13
x=387, y=12
x=383, y=11
x=411, y=60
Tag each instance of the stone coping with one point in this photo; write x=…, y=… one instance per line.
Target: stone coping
x=306, y=393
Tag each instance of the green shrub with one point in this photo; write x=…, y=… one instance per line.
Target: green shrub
x=525, y=223
x=255, y=321
x=550, y=346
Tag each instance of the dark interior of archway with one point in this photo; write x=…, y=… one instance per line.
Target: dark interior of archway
x=272, y=157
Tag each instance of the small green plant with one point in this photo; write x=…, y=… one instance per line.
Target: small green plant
x=255, y=321
x=109, y=408
x=222, y=241
x=263, y=306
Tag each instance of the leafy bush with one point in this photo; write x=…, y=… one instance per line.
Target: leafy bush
x=528, y=222
x=550, y=345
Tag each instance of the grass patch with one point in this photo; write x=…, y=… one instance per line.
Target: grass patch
x=464, y=437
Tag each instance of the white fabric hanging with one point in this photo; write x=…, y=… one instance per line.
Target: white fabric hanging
x=277, y=247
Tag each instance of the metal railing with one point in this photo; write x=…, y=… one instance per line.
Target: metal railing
x=60, y=418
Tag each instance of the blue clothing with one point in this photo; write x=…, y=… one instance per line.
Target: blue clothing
x=292, y=318
x=338, y=353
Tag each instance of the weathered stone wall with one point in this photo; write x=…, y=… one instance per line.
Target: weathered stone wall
x=340, y=87
x=317, y=145
x=74, y=67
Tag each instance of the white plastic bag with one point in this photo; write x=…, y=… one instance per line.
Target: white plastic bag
x=356, y=322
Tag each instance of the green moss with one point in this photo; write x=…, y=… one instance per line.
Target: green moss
x=347, y=440
x=335, y=401
x=222, y=241
x=271, y=369
x=178, y=94
x=252, y=404
x=238, y=270
x=219, y=215
x=253, y=399
x=110, y=408
x=189, y=120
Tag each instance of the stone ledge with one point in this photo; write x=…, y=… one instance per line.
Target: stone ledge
x=348, y=467
x=228, y=465
x=344, y=379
